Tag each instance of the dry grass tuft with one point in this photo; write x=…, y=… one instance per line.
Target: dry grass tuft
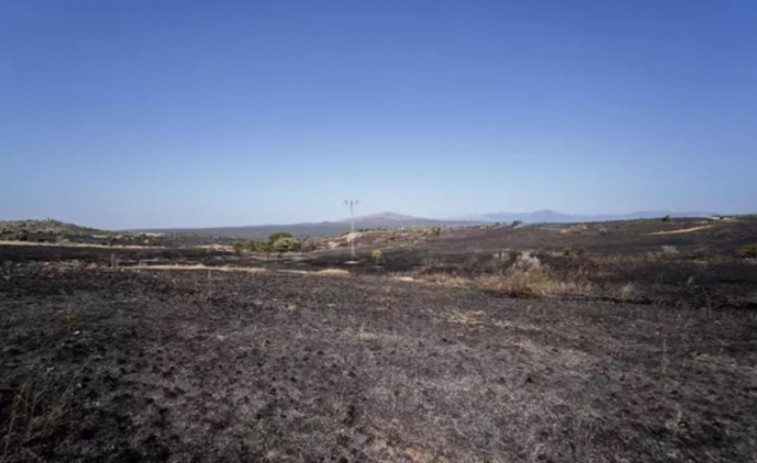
x=626, y=292
x=36, y=412
x=668, y=250
x=326, y=271
x=535, y=282
x=332, y=271
x=473, y=318
x=576, y=229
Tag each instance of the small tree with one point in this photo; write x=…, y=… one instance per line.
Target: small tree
x=666, y=218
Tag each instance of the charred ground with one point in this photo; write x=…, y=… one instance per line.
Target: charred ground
x=243, y=360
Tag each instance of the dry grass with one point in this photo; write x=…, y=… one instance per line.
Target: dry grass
x=325, y=271
x=406, y=278
x=576, y=229
x=521, y=283
x=76, y=245
x=227, y=268
x=527, y=276
x=682, y=230
x=196, y=267
x=332, y=271
x=534, y=282
x=626, y=292
x=216, y=247
x=36, y=412
x=473, y=318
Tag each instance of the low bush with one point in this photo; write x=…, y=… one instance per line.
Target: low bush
x=278, y=235
x=286, y=244
x=238, y=247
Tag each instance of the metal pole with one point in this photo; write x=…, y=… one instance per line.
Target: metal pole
x=352, y=203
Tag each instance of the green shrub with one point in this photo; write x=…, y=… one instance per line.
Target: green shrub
x=276, y=236
x=666, y=218
x=748, y=250
x=244, y=246
x=238, y=247
x=263, y=246
x=286, y=244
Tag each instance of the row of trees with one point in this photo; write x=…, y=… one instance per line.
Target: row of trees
x=276, y=242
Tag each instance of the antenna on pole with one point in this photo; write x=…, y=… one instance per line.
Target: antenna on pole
x=351, y=203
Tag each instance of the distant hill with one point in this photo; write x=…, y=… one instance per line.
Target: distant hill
x=395, y=220
x=47, y=225
x=549, y=216
x=55, y=231
x=382, y=220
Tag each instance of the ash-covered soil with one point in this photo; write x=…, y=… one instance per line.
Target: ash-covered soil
x=103, y=365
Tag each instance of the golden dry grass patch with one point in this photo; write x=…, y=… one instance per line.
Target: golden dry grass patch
x=472, y=318
x=404, y=278
x=325, y=271
x=198, y=267
x=332, y=271
x=682, y=230
x=537, y=282
x=232, y=269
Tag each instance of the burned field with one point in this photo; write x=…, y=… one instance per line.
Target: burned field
x=424, y=357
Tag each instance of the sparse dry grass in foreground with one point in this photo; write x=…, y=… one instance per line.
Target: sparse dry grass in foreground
x=515, y=282
x=219, y=268
x=325, y=271
x=535, y=282
x=228, y=268
x=526, y=276
x=35, y=414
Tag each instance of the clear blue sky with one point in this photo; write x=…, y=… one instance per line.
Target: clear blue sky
x=197, y=113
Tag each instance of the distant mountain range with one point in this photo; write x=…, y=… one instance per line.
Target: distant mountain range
x=382, y=220
x=549, y=216
x=394, y=220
